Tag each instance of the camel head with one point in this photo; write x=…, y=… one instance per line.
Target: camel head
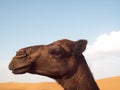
x=55, y=60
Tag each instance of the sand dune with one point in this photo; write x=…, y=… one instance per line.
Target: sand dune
x=109, y=83
x=30, y=86
x=104, y=84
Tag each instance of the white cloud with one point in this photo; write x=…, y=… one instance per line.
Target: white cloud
x=103, y=55
x=105, y=44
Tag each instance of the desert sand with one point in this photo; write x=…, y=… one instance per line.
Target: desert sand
x=112, y=83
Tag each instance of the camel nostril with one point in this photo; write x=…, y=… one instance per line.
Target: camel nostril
x=21, y=54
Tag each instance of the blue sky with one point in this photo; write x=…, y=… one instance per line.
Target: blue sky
x=32, y=22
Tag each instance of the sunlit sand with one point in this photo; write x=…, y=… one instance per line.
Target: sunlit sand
x=112, y=83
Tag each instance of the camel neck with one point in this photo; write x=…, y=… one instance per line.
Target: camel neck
x=80, y=80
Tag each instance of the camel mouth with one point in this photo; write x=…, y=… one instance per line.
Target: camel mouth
x=19, y=65
x=21, y=70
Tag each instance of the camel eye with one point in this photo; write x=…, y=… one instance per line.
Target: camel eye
x=56, y=52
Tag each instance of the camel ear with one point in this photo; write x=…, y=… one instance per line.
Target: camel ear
x=80, y=46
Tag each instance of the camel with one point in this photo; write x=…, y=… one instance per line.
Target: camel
x=61, y=60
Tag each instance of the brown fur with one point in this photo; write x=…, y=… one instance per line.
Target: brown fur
x=62, y=60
